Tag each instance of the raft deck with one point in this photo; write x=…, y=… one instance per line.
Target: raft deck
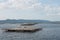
x=23, y=29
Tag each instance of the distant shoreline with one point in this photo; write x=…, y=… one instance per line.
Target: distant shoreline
x=28, y=21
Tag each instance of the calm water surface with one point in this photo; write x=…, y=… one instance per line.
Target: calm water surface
x=49, y=32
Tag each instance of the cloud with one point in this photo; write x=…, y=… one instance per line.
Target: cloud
x=47, y=10
x=24, y=4
x=20, y=4
x=52, y=11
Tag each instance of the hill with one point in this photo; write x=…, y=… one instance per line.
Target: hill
x=22, y=21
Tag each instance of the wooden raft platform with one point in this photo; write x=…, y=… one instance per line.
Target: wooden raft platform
x=23, y=29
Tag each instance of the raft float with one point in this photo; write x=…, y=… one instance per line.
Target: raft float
x=24, y=29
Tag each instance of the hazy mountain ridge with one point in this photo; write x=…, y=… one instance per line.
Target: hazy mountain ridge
x=25, y=21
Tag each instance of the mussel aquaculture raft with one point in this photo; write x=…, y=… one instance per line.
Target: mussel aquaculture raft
x=23, y=29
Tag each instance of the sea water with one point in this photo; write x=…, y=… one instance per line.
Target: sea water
x=48, y=32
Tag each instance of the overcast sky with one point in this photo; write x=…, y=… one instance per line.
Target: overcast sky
x=30, y=9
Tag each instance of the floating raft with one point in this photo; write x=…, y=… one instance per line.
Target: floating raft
x=23, y=29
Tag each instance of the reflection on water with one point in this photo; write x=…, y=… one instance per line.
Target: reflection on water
x=49, y=32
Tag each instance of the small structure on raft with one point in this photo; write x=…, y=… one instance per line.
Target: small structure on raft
x=28, y=24
x=24, y=29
